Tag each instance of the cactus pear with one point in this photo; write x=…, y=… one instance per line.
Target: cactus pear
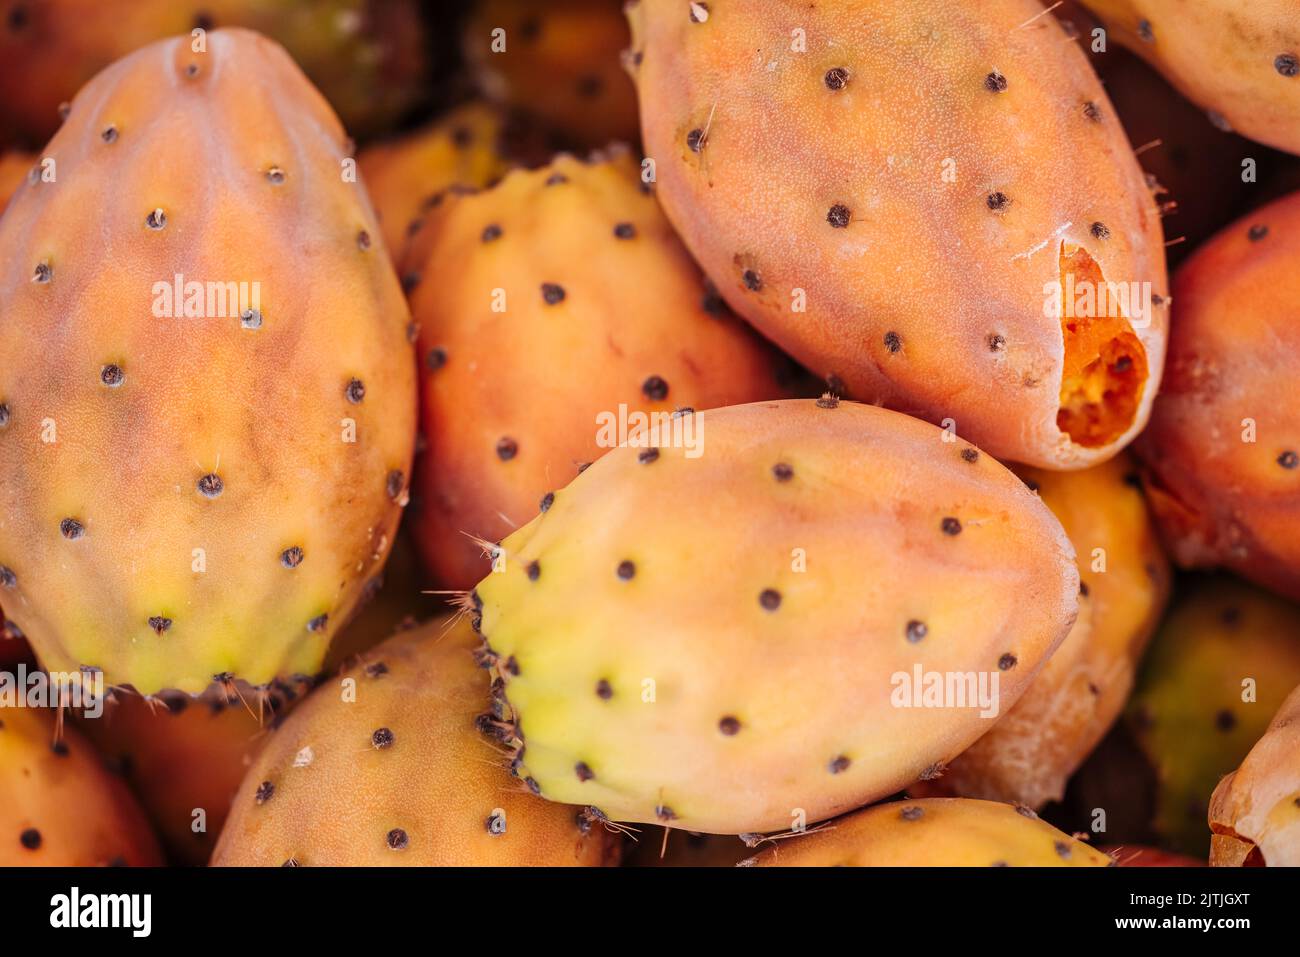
x=396, y=764
x=367, y=56
x=1255, y=810
x=934, y=832
x=1124, y=583
x=558, y=61
x=1220, y=666
x=405, y=175
x=198, y=485
x=1222, y=453
x=59, y=805
x=1241, y=62
x=571, y=266
x=828, y=232
x=660, y=627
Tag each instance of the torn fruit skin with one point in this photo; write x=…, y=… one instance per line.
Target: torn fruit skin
x=1105, y=366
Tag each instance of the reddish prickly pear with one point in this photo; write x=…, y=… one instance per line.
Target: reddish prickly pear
x=197, y=482
x=659, y=625
x=1222, y=452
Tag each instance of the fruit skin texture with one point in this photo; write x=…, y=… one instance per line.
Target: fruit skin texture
x=1031, y=753
x=934, y=832
x=116, y=420
x=1255, y=810
x=1188, y=713
x=628, y=312
x=404, y=176
x=59, y=806
x=562, y=65
x=619, y=593
x=367, y=56
x=14, y=168
x=926, y=294
x=401, y=775
x=180, y=754
x=1233, y=363
x=1239, y=61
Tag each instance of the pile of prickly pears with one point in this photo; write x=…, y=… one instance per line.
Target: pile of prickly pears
x=698, y=432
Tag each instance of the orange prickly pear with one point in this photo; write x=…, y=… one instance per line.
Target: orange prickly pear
x=207, y=386
x=569, y=266
x=910, y=246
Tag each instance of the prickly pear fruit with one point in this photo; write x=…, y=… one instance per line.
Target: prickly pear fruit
x=59, y=805
x=933, y=832
x=1220, y=666
x=405, y=176
x=571, y=266
x=559, y=61
x=1239, y=61
x=1255, y=810
x=1223, y=449
x=657, y=627
x=827, y=230
x=367, y=56
x=14, y=168
x=185, y=758
x=190, y=496
x=1124, y=583
x=394, y=763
